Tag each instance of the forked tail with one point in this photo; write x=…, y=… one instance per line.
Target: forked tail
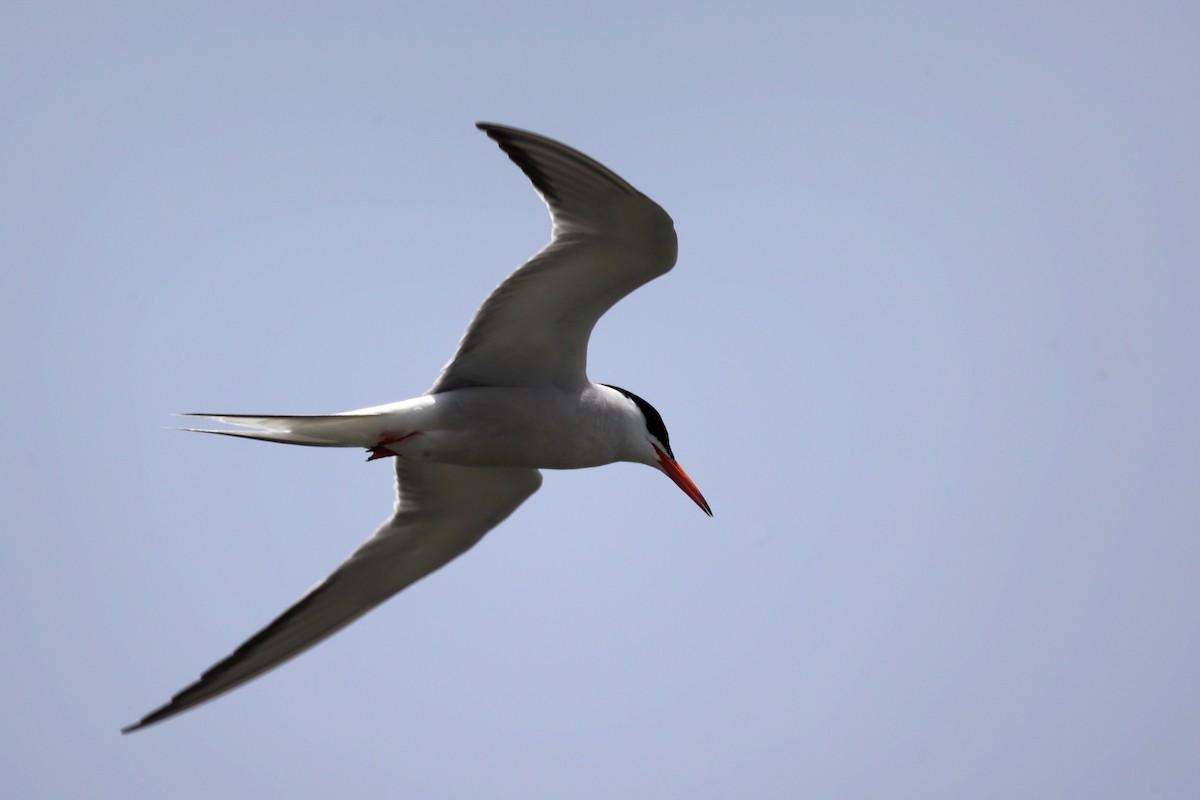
x=331, y=430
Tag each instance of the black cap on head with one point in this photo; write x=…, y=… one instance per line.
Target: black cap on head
x=654, y=420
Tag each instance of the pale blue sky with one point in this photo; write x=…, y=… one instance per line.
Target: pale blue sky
x=931, y=351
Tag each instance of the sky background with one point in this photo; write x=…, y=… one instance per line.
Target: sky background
x=931, y=350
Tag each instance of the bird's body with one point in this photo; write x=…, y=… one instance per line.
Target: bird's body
x=514, y=399
x=483, y=426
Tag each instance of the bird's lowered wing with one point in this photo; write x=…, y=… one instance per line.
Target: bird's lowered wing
x=441, y=511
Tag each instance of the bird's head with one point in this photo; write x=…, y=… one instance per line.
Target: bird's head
x=654, y=448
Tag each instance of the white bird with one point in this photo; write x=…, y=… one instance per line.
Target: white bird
x=515, y=398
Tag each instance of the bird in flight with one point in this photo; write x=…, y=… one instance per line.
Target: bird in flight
x=514, y=399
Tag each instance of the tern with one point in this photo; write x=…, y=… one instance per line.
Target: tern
x=514, y=399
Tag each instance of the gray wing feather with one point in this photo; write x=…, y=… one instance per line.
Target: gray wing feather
x=441, y=512
x=608, y=240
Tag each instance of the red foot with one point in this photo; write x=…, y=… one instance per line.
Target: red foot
x=382, y=450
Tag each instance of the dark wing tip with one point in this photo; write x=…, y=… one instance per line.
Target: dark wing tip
x=158, y=715
x=542, y=159
x=507, y=139
x=203, y=690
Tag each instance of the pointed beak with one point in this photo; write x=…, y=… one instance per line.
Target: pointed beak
x=676, y=473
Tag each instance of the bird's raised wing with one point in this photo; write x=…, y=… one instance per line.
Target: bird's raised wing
x=441, y=511
x=608, y=240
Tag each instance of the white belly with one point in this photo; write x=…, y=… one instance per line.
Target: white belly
x=505, y=427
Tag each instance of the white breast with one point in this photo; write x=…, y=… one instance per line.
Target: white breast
x=514, y=427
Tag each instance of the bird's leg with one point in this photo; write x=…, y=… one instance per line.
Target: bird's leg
x=383, y=449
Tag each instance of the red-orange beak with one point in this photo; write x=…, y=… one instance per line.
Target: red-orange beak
x=676, y=473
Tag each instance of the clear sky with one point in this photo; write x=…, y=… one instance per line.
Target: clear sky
x=931, y=350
